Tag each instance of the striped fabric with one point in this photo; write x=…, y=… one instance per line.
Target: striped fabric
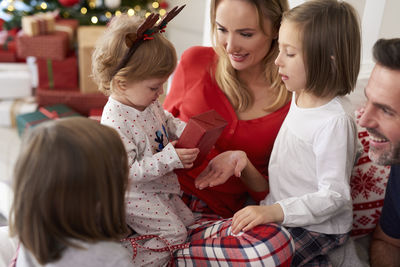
x=312, y=247
x=211, y=243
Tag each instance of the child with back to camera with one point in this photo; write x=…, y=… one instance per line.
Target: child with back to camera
x=314, y=153
x=130, y=65
x=69, y=183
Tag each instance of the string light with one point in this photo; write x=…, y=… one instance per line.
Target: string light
x=147, y=14
x=92, y=4
x=131, y=12
x=137, y=8
x=108, y=15
x=155, y=5
x=83, y=10
x=43, y=5
x=162, y=12
x=118, y=13
x=94, y=20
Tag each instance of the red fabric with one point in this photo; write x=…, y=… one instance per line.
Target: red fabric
x=195, y=91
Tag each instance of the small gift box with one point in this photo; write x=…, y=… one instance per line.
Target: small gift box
x=38, y=24
x=15, y=80
x=25, y=121
x=202, y=131
x=10, y=109
x=50, y=46
x=87, y=38
x=70, y=26
x=82, y=103
x=58, y=74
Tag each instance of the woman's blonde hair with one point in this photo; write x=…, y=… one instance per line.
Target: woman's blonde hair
x=226, y=76
x=154, y=58
x=69, y=183
x=331, y=45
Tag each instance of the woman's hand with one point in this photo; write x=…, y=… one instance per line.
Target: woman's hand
x=221, y=168
x=186, y=155
x=251, y=216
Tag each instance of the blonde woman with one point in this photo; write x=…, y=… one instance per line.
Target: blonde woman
x=237, y=78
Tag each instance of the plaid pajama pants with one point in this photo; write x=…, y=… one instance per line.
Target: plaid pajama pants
x=212, y=244
x=312, y=247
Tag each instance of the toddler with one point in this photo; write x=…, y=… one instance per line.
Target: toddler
x=130, y=64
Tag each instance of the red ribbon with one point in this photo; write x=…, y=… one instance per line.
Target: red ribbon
x=170, y=248
x=49, y=114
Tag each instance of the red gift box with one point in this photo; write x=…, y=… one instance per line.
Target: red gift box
x=58, y=74
x=202, y=131
x=69, y=26
x=82, y=103
x=49, y=46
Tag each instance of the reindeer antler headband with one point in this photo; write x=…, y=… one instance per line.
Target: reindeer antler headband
x=144, y=32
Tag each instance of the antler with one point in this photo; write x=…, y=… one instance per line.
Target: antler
x=170, y=15
x=131, y=38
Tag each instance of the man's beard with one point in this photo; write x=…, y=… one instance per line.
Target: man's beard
x=385, y=157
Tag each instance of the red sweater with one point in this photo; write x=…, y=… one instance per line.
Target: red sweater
x=194, y=91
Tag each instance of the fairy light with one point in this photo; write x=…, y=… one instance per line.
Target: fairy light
x=10, y=8
x=94, y=20
x=137, y=8
x=43, y=5
x=118, y=13
x=162, y=12
x=131, y=12
x=92, y=4
x=155, y=5
x=147, y=14
x=108, y=14
x=83, y=10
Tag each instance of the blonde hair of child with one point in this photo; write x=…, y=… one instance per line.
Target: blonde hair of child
x=237, y=92
x=69, y=183
x=154, y=58
x=331, y=45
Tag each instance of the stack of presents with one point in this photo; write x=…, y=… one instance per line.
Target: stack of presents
x=45, y=71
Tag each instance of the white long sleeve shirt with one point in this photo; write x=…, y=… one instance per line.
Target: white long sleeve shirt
x=144, y=134
x=310, y=167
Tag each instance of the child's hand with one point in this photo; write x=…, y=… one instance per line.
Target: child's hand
x=187, y=156
x=251, y=216
x=221, y=168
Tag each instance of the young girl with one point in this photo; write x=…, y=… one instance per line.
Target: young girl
x=315, y=150
x=154, y=207
x=69, y=184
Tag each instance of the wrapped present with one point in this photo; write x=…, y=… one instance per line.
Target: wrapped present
x=50, y=46
x=10, y=109
x=82, y=103
x=58, y=74
x=87, y=38
x=69, y=26
x=38, y=24
x=28, y=120
x=202, y=131
x=15, y=80
x=95, y=114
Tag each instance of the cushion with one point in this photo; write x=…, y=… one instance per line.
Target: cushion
x=368, y=186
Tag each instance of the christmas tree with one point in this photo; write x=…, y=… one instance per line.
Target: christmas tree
x=87, y=12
